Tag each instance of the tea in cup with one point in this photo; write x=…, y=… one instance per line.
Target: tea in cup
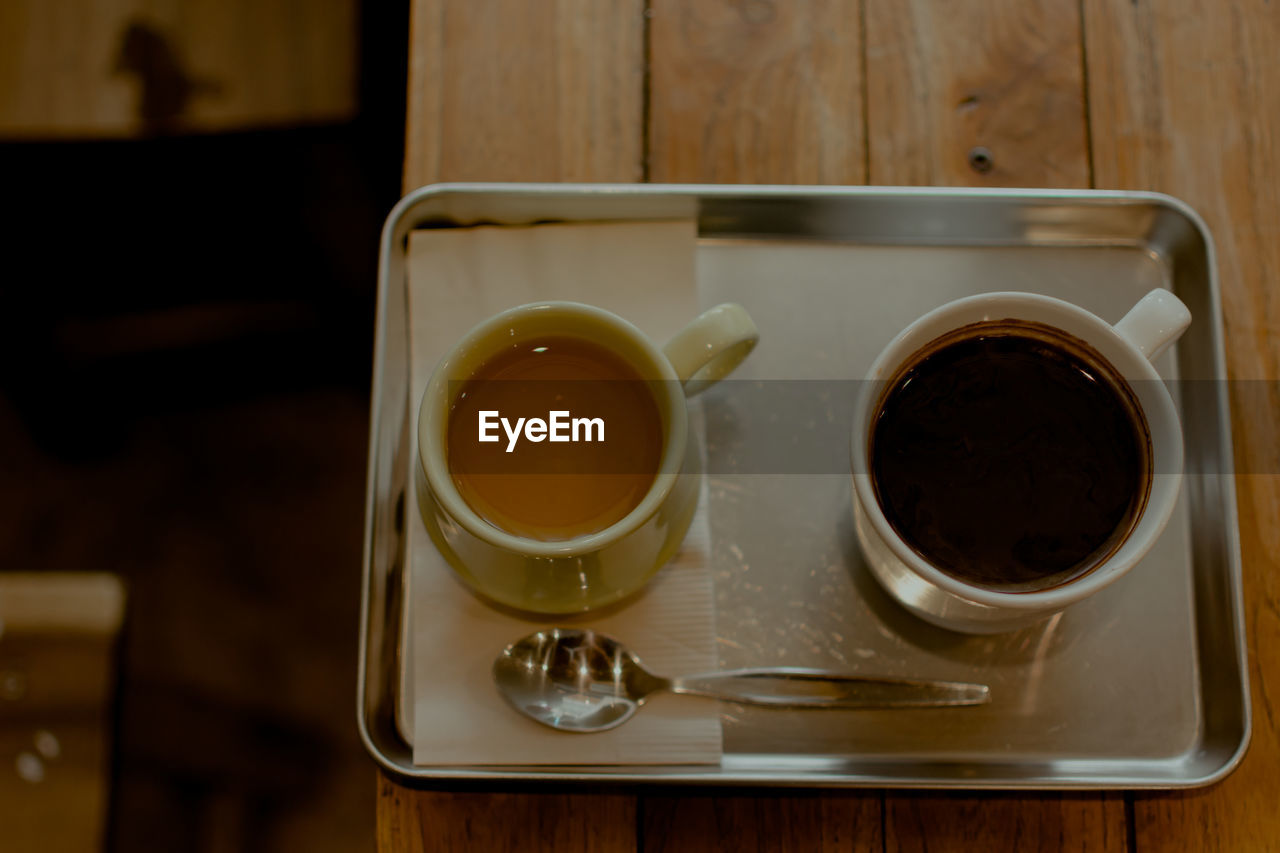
x=556, y=471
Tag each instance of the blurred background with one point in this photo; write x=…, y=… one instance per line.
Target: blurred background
x=194, y=192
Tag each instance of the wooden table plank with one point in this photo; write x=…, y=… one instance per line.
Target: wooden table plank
x=758, y=91
x=997, y=822
x=811, y=822
x=518, y=91
x=1184, y=97
x=1005, y=76
x=944, y=79
x=413, y=821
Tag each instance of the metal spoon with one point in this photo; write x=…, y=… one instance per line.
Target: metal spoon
x=580, y=681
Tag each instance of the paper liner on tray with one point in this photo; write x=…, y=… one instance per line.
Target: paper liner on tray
x=458, y=277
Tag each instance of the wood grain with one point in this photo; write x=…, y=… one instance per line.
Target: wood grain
x=945, y=78
x=941, y=80
x=1183, y=98
x=556, y=823
x=516, y=91
x=758, y=91
x=1004, y=822
x=107, y=68
x=831, y=822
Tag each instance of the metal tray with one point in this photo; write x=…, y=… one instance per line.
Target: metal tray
x=1143, y=686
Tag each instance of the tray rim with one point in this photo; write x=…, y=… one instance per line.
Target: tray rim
x=401, y=220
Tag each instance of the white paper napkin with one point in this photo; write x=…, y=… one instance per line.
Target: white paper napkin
x=457, y=277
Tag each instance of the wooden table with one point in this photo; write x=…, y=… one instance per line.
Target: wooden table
x=1181, y=96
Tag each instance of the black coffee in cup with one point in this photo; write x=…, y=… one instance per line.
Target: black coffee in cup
x=1010, y=455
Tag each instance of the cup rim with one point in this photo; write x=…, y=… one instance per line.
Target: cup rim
x=432, y=456
x=1160, y=501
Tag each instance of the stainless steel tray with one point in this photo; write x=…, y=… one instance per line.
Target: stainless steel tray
x=1143, y=686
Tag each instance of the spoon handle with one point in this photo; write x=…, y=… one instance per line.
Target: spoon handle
x=792, y=687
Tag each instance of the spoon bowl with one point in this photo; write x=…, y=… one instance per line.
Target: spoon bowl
x=573, y=680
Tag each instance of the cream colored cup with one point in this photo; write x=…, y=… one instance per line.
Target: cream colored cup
x=600, y=568
x=1129, y=346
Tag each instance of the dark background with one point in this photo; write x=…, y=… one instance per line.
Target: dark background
x=185, y=351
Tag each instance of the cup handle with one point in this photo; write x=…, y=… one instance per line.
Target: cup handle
x=1154, y=323
x=712, y=346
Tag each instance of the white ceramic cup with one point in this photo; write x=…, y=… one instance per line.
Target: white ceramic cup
x=1129, y=346
x=603, y=567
